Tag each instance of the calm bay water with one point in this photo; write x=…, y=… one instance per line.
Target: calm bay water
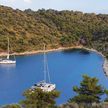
x=66, y=70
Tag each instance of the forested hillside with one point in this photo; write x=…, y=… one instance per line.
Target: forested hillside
x=27, y=30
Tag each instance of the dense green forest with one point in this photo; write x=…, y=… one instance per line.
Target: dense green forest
x=28, y=29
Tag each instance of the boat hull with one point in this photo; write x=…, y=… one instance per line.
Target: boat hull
x=46, y=87
x=7, y=62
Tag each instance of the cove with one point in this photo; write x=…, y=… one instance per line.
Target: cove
x=66, y=70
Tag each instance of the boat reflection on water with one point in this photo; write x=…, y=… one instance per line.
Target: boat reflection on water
x=8, y=66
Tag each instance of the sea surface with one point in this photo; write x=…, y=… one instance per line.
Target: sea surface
x=66, y=70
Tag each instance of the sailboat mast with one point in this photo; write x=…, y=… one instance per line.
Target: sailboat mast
x=8, y=49
x=44, y=64
x=46, y=69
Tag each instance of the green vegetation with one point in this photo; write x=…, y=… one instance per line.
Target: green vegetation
x=106, y=92
x=88, y=96
x=39, y=99
x=12, y=106
x=89, y=92
x=29, y=29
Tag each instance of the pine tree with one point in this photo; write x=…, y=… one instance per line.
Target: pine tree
x=88, y=92
x=39, y=99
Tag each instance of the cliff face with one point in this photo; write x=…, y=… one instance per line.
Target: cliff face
x=28, y=29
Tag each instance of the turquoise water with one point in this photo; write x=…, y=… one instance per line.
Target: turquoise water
x=66, y=70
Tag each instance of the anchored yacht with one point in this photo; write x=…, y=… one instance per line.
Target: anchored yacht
x=45, y=85
x=8, y=60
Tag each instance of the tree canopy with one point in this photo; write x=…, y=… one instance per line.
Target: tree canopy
x=39, y=99
x=88, y=95
x=106, y=92
x=88, y=92
x=12, y=106
x=28, y=29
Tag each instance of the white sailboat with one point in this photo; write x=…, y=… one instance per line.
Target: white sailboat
x=45, y=85
x=7, y=60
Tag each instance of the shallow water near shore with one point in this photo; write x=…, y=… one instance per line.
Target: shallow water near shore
x=66, y=70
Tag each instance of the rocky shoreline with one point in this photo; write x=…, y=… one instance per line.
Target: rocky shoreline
x=105, y=64
x=41, y=51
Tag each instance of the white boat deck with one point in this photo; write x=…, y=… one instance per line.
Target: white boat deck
x=7, y=61
x=47, y=87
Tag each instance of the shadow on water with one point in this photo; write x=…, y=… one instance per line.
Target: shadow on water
x=82, y=51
